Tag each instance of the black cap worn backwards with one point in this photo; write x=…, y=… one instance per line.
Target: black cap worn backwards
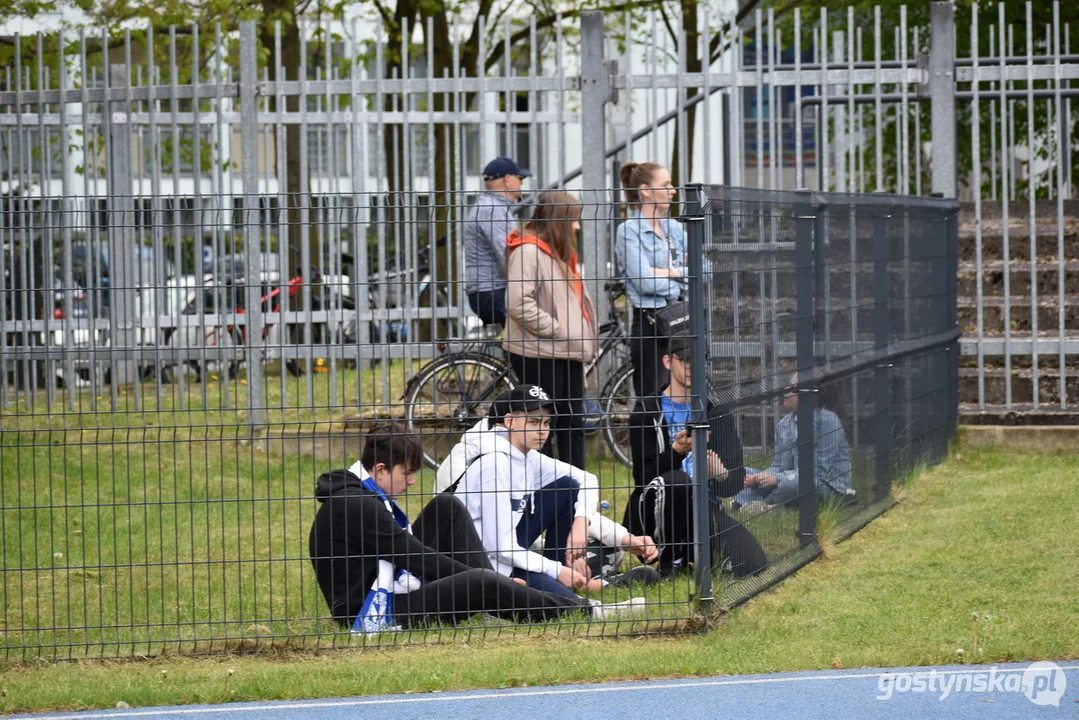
x=522, y=398
x=501, y=167
x=680, y=344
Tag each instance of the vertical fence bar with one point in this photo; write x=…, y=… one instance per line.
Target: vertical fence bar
x=121, y=272
x=758, y=67
x=251, y=235
x=882, y=423
x=67, y=217
x=1005, y=196
x=1031, y=193
x=877, y=95
x=917, y=128
x=840, y=119
x=942, y=97
x=594, y=93
x=976, y=151
x=696, y=225
x=822, y=152
x=904, y=107
x=806, y=227
x=799, y=178
x=773, y=179
x=1062, y=131
x=992, y=123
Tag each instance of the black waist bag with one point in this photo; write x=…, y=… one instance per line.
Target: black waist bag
x=672, y=319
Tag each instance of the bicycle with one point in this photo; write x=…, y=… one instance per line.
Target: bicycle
x=448, y=395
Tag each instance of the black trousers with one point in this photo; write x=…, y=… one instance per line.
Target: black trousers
x=490, y=305
x=564, y=382
x=445, y=525
x=646, y=351
x=729, y=537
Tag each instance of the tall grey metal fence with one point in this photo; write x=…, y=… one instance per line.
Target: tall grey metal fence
x=124, y=156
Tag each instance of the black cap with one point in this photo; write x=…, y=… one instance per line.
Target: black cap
x=680, y=344
x=501, y=167
x=522, y=398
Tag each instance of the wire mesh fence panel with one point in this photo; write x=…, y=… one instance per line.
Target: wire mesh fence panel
x=830, y=347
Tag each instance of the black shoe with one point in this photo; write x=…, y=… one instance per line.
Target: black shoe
x=641, y=574
x=670, y=568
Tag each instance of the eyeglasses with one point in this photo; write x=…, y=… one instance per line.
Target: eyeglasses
x=683, y=360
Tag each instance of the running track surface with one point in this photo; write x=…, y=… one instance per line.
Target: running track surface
x=828, y=695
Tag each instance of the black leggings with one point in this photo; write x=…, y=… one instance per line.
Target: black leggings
x=445, y=525
x=729, y=536
x=564, y=382
x=646, y=351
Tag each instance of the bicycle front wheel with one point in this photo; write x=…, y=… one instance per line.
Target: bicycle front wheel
x=449, y=396
x=618, y=401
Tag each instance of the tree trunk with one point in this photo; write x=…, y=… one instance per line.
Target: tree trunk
x=283, y=11
x=693, y=65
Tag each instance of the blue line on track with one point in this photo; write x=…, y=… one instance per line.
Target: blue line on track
x=828, y=695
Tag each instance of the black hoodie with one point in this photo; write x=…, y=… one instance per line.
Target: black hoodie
x=351, y=532
x=653, y=455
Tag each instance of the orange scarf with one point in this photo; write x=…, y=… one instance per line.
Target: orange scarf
x=516, y=239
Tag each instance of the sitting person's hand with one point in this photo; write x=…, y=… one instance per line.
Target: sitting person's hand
x=683, y=442
x=716, y=469
x=764, y=481
x=643, y=546
x=577, y=542
x=571, y=578
x=581, y=566
x=519, y=581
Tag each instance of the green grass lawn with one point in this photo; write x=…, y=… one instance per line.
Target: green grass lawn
x=981, y=555
x=219, y=406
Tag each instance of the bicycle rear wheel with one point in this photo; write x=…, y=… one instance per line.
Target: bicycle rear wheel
x=618, y=401
x=447, y=398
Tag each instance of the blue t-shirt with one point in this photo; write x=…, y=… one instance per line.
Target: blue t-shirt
x=677, y=416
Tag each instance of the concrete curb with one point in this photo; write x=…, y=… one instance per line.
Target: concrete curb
x=1031, y=438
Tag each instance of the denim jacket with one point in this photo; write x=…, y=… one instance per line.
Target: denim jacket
x=832, y=456
x=639, y=250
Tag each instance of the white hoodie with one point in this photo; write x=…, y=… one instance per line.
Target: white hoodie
x=496, y=487
x=600, y=528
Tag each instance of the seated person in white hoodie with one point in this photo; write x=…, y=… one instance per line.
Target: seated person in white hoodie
x=514, y=494
x=606, y=538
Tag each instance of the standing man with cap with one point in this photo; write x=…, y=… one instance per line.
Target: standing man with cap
x=489, y=222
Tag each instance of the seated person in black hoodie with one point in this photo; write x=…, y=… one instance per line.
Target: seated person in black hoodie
x=661, y=504
x=378, y=572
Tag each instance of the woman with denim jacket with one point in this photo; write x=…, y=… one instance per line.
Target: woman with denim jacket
x=650, y=248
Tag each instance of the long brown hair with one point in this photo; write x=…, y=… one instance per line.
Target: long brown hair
x=633, y=175
x=552, y=222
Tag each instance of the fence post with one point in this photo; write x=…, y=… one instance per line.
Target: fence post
x=122, y=258
x=695, y=226
x=882, y=328
x=249, y=139
x=594, y=96
x=942, y=96
x=804, y=260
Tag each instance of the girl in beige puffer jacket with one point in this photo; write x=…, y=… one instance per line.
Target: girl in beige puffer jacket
x=551, y=324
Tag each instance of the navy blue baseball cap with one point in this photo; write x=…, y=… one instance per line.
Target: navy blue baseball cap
x=501, y=167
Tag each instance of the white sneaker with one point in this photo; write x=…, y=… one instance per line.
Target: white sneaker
x=611, y=611
x=753, y=509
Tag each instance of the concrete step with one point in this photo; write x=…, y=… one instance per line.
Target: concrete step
x=1019, y=245
x=1047, y=274
x=1020, y=314
x=1022, y=386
